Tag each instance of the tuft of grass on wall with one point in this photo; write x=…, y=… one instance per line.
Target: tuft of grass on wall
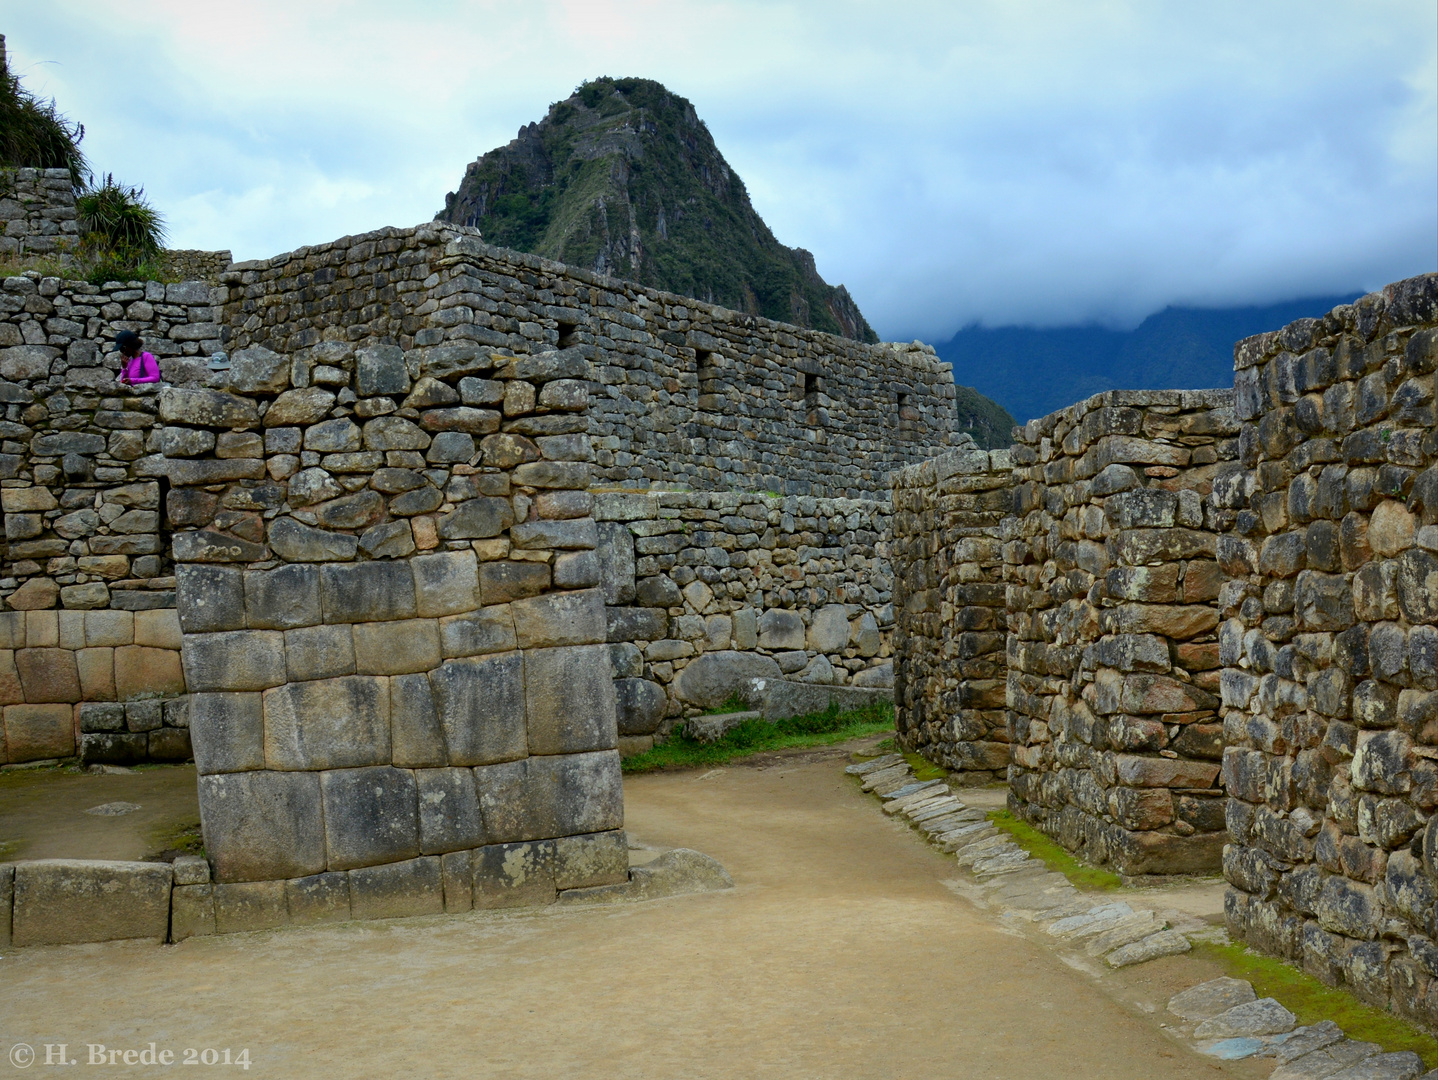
x=1311, y=1001
x=757, y=736
x=1053, y=854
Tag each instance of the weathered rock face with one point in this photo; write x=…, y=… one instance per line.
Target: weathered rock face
x=1112, y=562
x=947, y=555
x=386, y=693
x=1328, y=647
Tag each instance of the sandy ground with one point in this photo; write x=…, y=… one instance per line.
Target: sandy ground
x=42, y=812
x=841, y=953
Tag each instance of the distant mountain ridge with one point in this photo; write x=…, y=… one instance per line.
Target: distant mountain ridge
x=1035, y=372
x=622, y=177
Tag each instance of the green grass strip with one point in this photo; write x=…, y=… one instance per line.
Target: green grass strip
x=758, y=736
x=1040, y=846
x=1311, y=1001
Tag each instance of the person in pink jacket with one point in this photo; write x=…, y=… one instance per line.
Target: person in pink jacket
x=140, y=366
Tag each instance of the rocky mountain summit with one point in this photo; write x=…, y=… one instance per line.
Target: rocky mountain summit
x=622, y=177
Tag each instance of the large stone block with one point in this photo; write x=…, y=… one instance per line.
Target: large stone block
x=616, y=562
x=227, y=732
x=416, y=739
x=370, y=816
x=544, y=797
x=244, y=907
x=477, y=519
x=63, y=901
x=397, y=648
x=282, y=598
x=367, y=591
x=319, y=652
x=328, y=724
x=192, y=911
x=565, y=618
x=397, y=890
x=319, y=898
x=513, y=875
x=485, y=630
x=713, y=678
x=380, y=369
x=142, y=672
x=506, y=580
x=113, y=748
x=481, y=708
x=640, y=705
x=206, y=408
x=635, y=624
x=569, y=700
x=592, y=859
x=446, y=583
x=780, y=629
x=296, y=542
x=456, y=870
x=234, y=660
x=829, y=629
x=449, y=817
x=262, y=826
x=48, y=675
x=38, y=732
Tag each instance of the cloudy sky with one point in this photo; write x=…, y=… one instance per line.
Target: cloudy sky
x=1013, y=161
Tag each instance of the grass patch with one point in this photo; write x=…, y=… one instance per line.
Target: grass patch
x=1312, y=1001
x=9, y=849
x=757, y=736
x=171, y=840
x=1081, y=874
x=924, y=769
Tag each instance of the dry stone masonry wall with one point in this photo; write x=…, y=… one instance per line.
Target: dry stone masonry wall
x=950, y=670
x=1330, y=651
x=37, y=207
x=1113, y=651
x=738, y=587
x=400, y=692
x=685, y=393
x=81, y=482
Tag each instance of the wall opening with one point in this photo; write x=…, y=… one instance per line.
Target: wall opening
x=568, y=334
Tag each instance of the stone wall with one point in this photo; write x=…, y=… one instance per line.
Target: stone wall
x=759, y=586
x=950, y=669
x=400, y=691
x=37, y=207
x=685, y=393
x=81, y=487
x=1329, y=647
x=191, y=264
x=1112, y=643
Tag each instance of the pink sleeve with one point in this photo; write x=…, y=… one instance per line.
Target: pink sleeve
x=149, y=368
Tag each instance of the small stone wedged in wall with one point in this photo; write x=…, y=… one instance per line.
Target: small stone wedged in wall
x=1327, y=643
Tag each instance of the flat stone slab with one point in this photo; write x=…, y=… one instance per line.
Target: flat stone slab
x=708, y=729
x=1097, y=919
x=914, y=788
x=1163, y=943
x=65, y=901
x=862, y=768
x=1232, y=1049
x=674, y=873
x=1210, y=998
x=1305, y=1040
x=1262, y=1017
x=1128, y=931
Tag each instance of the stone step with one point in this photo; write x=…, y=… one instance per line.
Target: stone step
x=1140, y=926
x=1163, y=943
x=708, y=729
x=862, y=768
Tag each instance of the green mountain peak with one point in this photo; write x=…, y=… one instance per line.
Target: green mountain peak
x=622, y=177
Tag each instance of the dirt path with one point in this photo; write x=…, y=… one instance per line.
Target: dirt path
x=840, y=954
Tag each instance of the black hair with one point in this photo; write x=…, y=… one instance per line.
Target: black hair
x=126, y=340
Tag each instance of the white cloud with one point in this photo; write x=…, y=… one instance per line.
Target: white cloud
x=991, y=161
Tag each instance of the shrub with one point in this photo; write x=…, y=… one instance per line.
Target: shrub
x=34, y=133
x=122, y=235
